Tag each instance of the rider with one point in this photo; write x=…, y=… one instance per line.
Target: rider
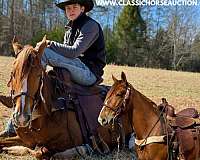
x=83, y=50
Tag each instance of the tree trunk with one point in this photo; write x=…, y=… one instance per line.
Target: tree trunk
x=31, y=19
x=12, y=23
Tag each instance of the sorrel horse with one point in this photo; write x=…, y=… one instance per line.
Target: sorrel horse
x=142, y=115
x=36, y=125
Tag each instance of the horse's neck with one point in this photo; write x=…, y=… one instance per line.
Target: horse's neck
x=144, y=116
x=46, y=95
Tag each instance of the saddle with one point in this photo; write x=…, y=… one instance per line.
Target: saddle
x=185, y=126
x=85, y=101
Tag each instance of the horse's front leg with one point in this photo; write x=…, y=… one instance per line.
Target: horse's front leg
x=18, y=150
x=11, y=141
x=39, y=153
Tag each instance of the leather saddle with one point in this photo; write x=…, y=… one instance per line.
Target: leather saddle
x=86, y=101
x=186, y=128
x=183, y=119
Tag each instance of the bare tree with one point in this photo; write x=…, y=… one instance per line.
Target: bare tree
x=181, y=30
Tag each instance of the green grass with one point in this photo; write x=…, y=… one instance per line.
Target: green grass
x=182, y=89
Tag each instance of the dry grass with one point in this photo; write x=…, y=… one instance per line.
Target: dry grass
x=180, y=88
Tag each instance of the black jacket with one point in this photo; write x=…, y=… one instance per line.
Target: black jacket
x=84, y=40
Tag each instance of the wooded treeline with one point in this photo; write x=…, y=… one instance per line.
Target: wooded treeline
x=147, y=36
x=29, y=20
x=157, y=37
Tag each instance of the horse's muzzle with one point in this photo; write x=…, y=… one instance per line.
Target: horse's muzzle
x=21, y=120
x=106, y=116
x=102, y=121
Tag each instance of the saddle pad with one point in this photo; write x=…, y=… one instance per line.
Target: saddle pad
x=91, y=107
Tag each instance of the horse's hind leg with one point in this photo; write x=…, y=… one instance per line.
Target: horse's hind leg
x=13, y=145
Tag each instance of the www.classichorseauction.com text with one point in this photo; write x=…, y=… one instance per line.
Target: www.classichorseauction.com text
x=147, y=2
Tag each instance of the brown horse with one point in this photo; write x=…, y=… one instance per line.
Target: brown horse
x=36, y=125
x=142, y=115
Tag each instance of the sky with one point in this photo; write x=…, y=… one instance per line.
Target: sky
x=114, y=11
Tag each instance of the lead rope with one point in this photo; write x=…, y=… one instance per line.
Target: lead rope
x=118, y=146
x=166, y=130
x=122, y=135
x=118, y=140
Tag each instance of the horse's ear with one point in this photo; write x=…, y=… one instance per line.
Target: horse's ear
x=16, y=46
x=123, y=77
x=114, y=79
x=41, y=46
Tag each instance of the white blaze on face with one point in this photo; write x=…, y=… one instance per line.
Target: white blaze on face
x=103, y=108
x=24, y=89
x=106, y=103
x=22, y=105
x=99, y=118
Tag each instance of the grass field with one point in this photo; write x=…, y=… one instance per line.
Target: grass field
x=181, y=89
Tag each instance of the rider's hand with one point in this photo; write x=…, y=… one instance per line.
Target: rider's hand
x=48, y=43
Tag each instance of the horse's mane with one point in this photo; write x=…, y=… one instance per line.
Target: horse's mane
x=22, y=63
x=146, y=98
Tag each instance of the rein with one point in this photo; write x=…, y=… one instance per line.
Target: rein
x=152, y=139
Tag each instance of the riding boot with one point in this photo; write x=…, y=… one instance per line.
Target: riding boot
x=9, y=130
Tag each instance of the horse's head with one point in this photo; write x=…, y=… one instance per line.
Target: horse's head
x=25, y=80
x=116, y=99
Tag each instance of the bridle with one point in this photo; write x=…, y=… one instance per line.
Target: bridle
x=117, y=120
x=35, y=98
x=119, y=107
x=15, y=96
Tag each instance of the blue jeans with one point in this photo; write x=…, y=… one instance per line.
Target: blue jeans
x=80, y=73
x=10, y=127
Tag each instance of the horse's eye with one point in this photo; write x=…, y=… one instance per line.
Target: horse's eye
x=119, y=94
